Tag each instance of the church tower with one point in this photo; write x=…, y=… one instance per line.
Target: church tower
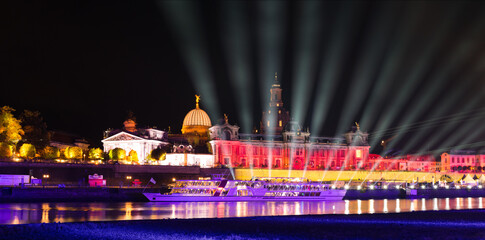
x=276, y=117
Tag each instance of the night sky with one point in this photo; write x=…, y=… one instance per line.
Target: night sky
x=413, y=72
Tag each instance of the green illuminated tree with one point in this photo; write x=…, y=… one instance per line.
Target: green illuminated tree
x=75, y=153
x=35, y=129
x=6, y=150
x=95, y=154
x=27, y=150
x=10, y=129
x=117, y=154
x=51, y=153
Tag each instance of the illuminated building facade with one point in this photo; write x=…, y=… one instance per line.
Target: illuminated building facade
x=195, y=131
x=276, y=117
x=419, y=163
x=62, y=140
x=414, y=163
x=462, y=161
x=283, y=144
x=186, y=149
x=140, y=140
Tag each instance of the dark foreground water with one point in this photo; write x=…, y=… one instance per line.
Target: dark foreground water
x=23, y=213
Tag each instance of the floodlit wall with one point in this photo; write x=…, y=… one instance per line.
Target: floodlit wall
x=187, y=159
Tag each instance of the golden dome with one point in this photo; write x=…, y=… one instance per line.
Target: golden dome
x=197, y=117
x=196, y=120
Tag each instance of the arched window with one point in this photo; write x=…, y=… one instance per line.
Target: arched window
x=226, y=135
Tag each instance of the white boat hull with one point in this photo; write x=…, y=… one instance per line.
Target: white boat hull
x=334, y=195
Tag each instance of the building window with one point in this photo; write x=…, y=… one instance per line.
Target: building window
x=299, y=151
x=341, y=153
x=278, y=151
x=243, y=150
x=279, y=111
x=280, y=123
x=358, y=153
x=268, y=123
x=226, y=149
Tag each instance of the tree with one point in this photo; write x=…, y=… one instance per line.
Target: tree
x=35, y=129
x=133, y=156
x=158, y=154
x=95, y=154
x=27, y=150
x=51, y=153
x=10, y=129
x=6, y=150
x=73, y=153
x=117, y=154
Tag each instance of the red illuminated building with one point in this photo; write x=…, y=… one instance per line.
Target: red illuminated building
x=283, y=144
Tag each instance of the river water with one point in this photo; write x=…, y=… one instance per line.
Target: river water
x=23, y=213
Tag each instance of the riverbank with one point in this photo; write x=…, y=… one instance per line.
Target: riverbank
x=74, y=194
x=465, y=224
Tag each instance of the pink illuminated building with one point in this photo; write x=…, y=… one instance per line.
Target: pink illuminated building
x=415, y=163
x=462, y=161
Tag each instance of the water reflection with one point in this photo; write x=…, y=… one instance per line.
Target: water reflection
x=21, y=213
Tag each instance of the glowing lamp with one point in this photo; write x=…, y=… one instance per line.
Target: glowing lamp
x=385, y=186
x=173, y=179
x=422, y=186
x=359, y=187
x=457, y=187
x=397, y=187
x=435, y=186
x=371, y=186
x=333, y=187
x=469, y=187
x=480, y=186
x=128, y=177
x=346, y=186
x=447, y=187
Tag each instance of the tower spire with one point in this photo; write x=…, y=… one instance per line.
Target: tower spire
x=276, y=76
x=197, y=99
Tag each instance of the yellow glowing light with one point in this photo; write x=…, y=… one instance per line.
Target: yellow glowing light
x=173, y=179
x=128, y=177
x=46, y=176
x=358, y=153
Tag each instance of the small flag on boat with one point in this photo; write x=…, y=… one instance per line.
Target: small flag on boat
x=153, y=181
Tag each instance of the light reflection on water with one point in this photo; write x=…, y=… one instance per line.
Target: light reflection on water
x=22, y=213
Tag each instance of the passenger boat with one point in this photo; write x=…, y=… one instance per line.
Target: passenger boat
x=260, y=189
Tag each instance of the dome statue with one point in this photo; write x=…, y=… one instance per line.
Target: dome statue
x=196, y=121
